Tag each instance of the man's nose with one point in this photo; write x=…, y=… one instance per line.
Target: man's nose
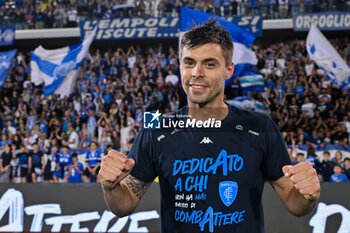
x=197, y=71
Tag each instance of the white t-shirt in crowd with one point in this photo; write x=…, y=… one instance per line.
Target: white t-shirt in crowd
x=172, y=78
x=309, y=109
x=73, y=136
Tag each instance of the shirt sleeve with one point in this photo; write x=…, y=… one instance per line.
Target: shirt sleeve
x=87, y=156
x=332, y=178
x=143, y=153
x=276, y=154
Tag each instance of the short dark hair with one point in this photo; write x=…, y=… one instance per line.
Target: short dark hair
x=210, y=32
x=300, y=154
x=327, y=153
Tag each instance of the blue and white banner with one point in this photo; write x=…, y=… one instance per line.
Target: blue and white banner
x=58, y=68
x=327, y=21
x=131, y=28
x=251, y=80
x=327, y=58
x=248, y=103
x=151, y=27
x=5, y=64
x=252, y=23
x=243, y=57
x=7, y=35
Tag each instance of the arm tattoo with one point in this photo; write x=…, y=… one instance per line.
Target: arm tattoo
x=137, y=186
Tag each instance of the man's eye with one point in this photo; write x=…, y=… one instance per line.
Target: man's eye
x=211, y=65
x=188, y=63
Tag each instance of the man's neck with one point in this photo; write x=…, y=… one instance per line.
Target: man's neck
x=203, y=113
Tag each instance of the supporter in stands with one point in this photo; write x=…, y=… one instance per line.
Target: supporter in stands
x=21, y=170
x=60, y=16
x=4, y=140
x=92, y=163
x=5, y=164
x=338, y=158
x=73, y=140
x=36, y=163
x=347, y=167
x=340, y=136
x=72, y=17
x=299, y=158
x=338, y=176
x=326, y=167
x=313, y=158
x=51, y=164
x=74, y=170
x=64, y=159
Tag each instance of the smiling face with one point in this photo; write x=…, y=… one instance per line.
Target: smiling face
x=203, y=72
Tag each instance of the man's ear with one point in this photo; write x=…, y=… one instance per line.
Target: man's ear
x=229, y=71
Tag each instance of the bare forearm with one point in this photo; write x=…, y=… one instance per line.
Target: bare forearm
x=298, y=205
x=120, y=200
x=124, y=197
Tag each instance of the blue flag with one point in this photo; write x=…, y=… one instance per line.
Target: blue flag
x=58, y=68
x=251, y=80
x=243, y=57
x=5, y=64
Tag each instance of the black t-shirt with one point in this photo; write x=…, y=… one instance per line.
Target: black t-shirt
x=327, y=170
x=212, y=179
x=36, y=158
x=6, y=158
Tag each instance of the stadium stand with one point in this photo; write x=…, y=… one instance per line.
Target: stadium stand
x=26, y=14
x=115, y=86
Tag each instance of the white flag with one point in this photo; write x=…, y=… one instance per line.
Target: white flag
x=327, y=58
x=58, y=68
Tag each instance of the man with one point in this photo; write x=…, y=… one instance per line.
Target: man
x=73, y=141
x=224, y=167
x=171, y=79
x=5, y=164
x=22, y=165
x=36, y=163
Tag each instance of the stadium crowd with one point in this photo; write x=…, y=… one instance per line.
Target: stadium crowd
x=27, y=14
x=42, y=137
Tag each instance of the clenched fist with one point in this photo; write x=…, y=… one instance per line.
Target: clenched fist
x=115, y=167
x=304, y=178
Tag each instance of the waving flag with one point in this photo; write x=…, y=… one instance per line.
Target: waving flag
x=5, y=64
x=58, y=68
x=248, y=103
x=251, y=80
x=327, y=58
x=243, y=57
